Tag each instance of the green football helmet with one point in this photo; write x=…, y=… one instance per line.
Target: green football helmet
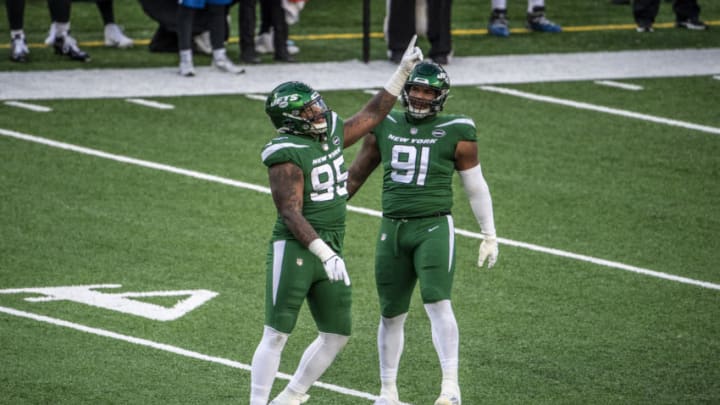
x=295, y=108
x=430, y=75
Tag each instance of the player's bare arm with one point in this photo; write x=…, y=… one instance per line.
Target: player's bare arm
x=369, y=117
x=466, y=155
x=286, y=184
x=365, y=162
x=380, y=105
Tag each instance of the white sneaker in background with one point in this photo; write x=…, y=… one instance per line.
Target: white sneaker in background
x=52, y=33
x=264, y=44
x=202, y=42
x=18, y=48
x=115, y=37
x=223, y=64
x=292, y=10
x=187, y=69
x=186, y=63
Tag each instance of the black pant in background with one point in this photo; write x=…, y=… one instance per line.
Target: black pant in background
x=401, y=26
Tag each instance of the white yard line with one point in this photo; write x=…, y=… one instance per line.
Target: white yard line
x=599, y=108
x=366, y=211
x=150, y=103
x=28, y=106
x=172, y=349
x=619, y=85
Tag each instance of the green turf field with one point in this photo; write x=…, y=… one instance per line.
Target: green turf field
x=607, y=289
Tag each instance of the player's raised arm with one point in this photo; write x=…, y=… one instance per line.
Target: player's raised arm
x=381, y=103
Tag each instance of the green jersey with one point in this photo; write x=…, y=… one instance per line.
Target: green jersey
x=418, y=161
x=325, y=174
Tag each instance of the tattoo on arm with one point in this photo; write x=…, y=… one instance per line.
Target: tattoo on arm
x=369, y=117
x=287, y=184
x=366, y=161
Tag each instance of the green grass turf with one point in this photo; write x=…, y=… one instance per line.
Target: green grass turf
x=536, y=329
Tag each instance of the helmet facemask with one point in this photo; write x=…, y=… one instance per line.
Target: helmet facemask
x=295, y=108
x=314, y=115
x=421, y=107
x=426, y=75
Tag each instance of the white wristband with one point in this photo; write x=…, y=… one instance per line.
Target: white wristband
x=395, y=85
x=321, y=250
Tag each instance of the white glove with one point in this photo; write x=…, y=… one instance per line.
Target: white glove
x=412, y=55
x=488, y=250
x=334, y=265
x=335, y=269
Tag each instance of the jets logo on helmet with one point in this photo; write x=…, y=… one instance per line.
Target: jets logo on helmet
x=295, y=108
x=430, y=75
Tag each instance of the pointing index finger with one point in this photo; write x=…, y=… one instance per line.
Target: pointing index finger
x=411, y=45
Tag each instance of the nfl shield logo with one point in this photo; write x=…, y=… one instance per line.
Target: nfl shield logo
x=299, y=261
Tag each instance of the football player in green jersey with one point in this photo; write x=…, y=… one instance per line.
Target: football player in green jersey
x=308, y=179
x=419, y=150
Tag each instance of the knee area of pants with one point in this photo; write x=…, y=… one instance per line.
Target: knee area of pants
x=334, y=340
x=395, y=321
x=432, y=295
x=274, y=338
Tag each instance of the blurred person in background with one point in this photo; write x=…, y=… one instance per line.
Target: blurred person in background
x=275, y=18
x=114, y=36
x=217, y=10
x=62, y=42
x=499, y=26
x=405, y=18
x=687, y=14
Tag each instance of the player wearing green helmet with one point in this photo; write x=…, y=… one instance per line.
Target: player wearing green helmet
x=433, y=77
x=308, y=177
x=419, y=150
x=295, y=108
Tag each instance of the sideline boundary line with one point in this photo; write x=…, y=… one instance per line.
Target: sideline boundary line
x=367, y=211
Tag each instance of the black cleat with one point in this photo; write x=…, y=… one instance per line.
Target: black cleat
x=67, y=45
x=691, y=24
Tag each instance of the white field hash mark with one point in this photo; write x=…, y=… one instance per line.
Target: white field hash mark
x=28, y=106
x=362, y=210
x=172, y=349
x=619, y=85
x=599, y=108
x=150, y=103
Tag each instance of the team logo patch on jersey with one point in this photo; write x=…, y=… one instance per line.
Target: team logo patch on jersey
x=336, y=141
x=438, y=133
x=299, y=261
x=413, y=131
